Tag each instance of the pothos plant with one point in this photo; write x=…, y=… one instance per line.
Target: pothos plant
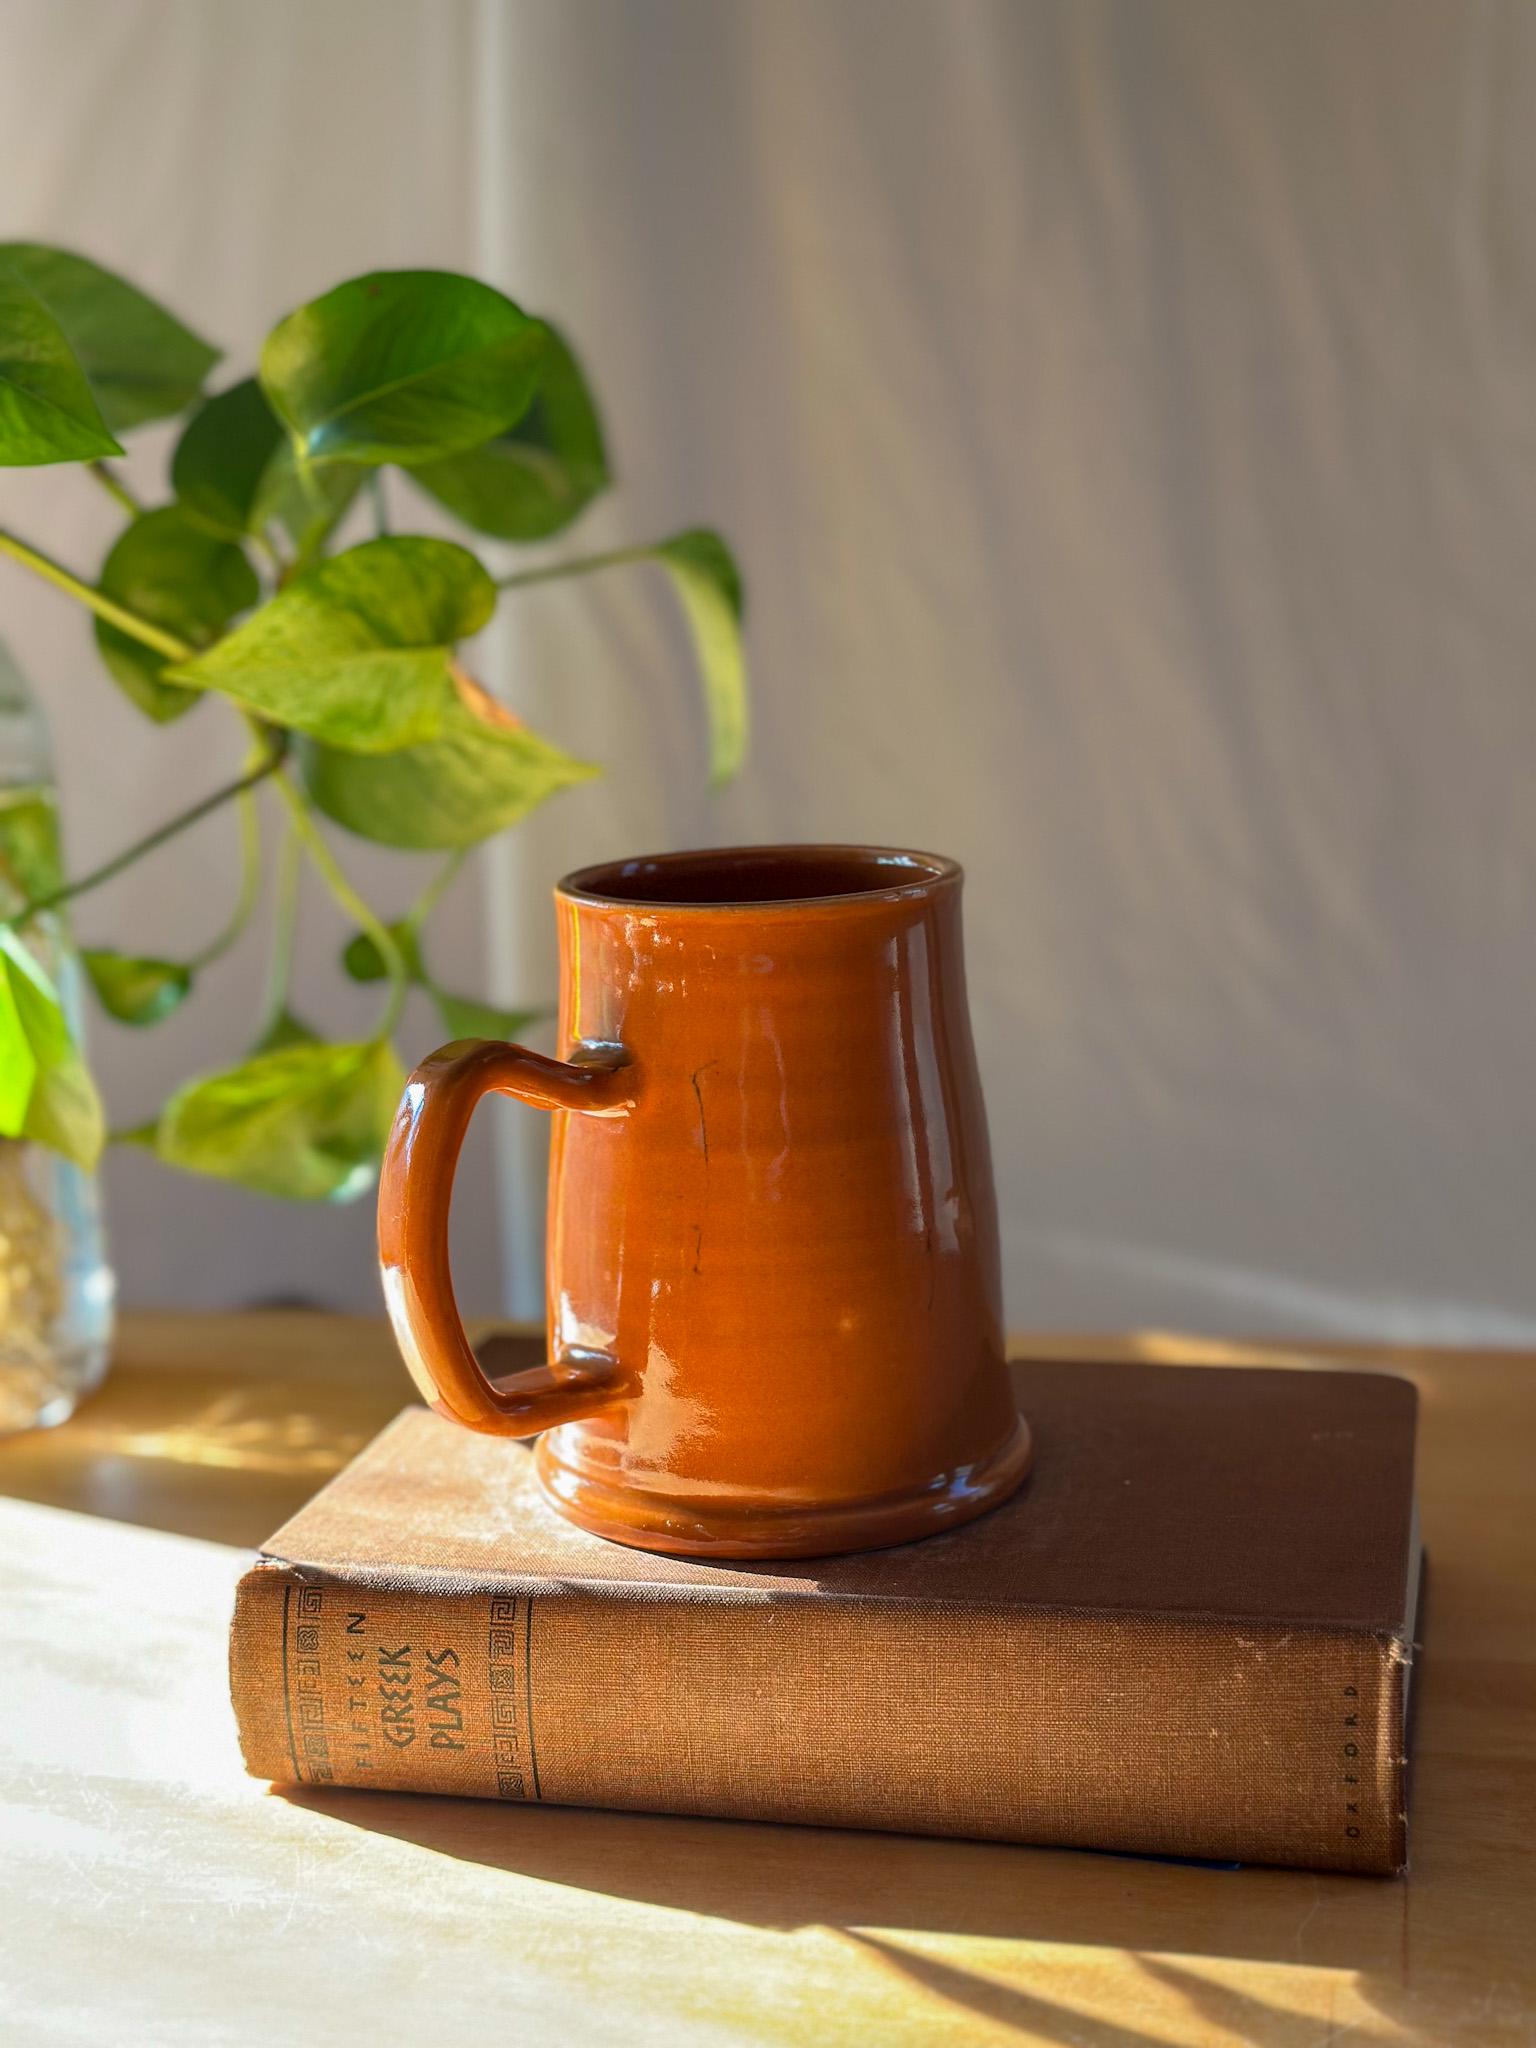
x=340, y=662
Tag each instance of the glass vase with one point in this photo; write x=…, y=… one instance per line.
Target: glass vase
x=56, y=1288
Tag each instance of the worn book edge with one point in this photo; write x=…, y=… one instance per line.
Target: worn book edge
x=277, y=1715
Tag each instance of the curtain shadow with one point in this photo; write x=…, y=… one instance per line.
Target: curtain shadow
x=781, y=1878
x=1036, y=2018
x=869, y=1888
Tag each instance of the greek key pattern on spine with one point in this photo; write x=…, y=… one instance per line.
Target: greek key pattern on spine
x=506, y=1661
x=308, y=1691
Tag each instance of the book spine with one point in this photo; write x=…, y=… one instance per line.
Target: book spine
x=1166, y=1736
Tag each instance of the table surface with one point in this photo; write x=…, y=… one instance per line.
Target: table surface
x=150, y=1893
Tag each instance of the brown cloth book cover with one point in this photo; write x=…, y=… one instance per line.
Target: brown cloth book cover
x=1189, y=1635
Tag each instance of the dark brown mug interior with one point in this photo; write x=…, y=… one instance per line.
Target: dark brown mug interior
x=758, y=874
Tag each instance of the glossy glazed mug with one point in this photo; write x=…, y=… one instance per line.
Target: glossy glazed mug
x=773, y=1277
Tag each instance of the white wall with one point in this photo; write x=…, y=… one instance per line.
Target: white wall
x=1125, y=414
x=234, y=160
x=1128, y=417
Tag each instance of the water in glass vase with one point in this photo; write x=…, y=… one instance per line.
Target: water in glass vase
x=56, y=1288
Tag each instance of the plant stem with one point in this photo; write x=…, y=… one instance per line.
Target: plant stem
x=285, y=913
x=250, y=884
x=436, y=889
x=380, y=504
x=114, y=486
x=105, y=607
x=332, y=874
x=182, y=822
x=582, y=567
x=310, y=546
x=275, y=561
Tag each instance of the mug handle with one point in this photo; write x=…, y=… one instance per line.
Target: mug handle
x=415, y=1189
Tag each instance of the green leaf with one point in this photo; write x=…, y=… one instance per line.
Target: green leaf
x=467, y=1017
x=65, y=1112
x=234, y=471
x=48, y=412
x=401, y=366
x=533, y=480
x=305, y=499
x=708, y=583
x=362, y=960
x=30, y=863
x=355, y=651
x=285, y=1029
x=18, y=1062
x=46, y=1092
x=136, y=991
x=308, y=1122
x=173, y=572
x=142, y=363
x=222, y=457
x=484, y=770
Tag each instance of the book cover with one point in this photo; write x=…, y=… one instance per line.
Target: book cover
x=1190, y=1634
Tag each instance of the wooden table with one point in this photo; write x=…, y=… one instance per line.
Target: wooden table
x=152, y=1894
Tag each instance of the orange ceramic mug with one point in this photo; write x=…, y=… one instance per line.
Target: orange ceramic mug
x=774, y=1316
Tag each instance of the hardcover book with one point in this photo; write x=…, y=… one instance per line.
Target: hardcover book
x=1190, y=1634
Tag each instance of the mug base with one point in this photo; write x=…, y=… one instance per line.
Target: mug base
x=678, y=1526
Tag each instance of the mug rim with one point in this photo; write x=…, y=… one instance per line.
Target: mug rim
x=586, y=884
